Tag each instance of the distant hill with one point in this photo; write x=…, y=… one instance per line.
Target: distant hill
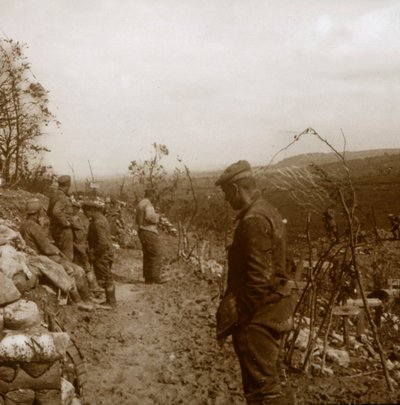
x=367, y=163
x=326, y=158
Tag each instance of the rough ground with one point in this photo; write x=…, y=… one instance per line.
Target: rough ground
x=158, y=347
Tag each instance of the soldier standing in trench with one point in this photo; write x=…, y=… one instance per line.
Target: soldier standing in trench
x=101, y=251
x=258, y=306
x=113, y=213
x=60, y=212
x=147, y=220
x=80, y=232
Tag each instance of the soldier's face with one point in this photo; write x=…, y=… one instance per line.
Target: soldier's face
x=232, y=195
x=88, y=213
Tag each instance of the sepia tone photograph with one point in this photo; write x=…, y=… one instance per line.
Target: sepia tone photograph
x=199, y=202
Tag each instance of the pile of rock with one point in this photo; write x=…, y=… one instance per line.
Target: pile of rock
x=32, y=358
x=356, y=356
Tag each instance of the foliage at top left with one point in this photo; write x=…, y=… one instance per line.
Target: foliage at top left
x=24, y=114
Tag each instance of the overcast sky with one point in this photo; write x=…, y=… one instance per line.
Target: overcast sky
x=215, y=80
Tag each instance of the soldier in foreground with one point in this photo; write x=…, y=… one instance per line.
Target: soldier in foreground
x=60, y=212
x=147, y=220
x=36, y=238
x=257, y=307
x=101, y=251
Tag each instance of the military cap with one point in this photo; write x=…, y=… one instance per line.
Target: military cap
x=235, y=171
x=32, y=206
x=64, y=180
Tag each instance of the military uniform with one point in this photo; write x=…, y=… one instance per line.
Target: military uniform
x=79, y=230
x=36, y=238
x=114, y=217
x=263, y=304
x=60, y=213
x=257, y=278
x=101, y=251
x=147, y=220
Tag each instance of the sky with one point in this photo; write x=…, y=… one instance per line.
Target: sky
x=214, y=80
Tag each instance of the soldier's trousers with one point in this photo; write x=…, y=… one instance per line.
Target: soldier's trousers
x=151, y=247
x=102, y=270
x=64, y=240
x=81, y=258
x=257, y=349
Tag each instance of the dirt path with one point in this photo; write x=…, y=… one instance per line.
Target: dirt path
x=158, y=345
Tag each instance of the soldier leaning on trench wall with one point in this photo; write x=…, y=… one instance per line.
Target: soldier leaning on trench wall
x=36, y=238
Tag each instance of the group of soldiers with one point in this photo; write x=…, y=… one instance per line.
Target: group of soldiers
x=257, y=307
x=332, y=230
x=86, y=253
x=258, y=304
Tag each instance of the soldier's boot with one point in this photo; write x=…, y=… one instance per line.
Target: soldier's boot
x=110, y=296
x=93, y=285
x=84, y=291
x=76, y=299
x=288, y=397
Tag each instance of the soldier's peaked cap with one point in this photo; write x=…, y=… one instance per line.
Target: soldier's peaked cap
x=239, y=170
x=64, y=180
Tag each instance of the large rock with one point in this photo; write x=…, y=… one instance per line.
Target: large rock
x=21, y=315
x=67, y=392
x=32, y=347
x=20, y=396
x=340, y=357
x=7, y=234
x=49, y=380
x=53, y=271
x=8, y=291
x=302, y=339
x=13, y=263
